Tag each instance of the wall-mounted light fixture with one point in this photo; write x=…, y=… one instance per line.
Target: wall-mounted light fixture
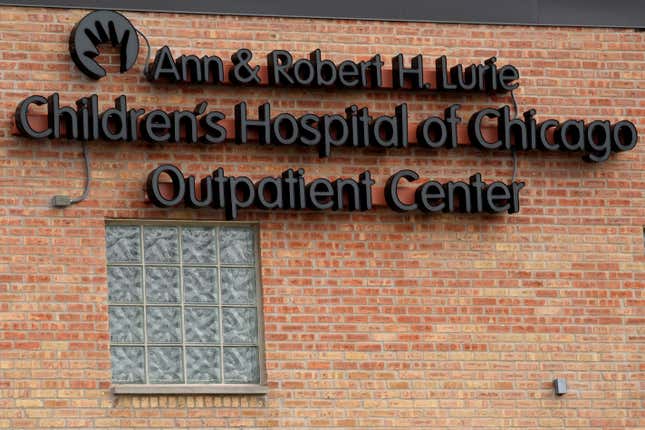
x=560, y=386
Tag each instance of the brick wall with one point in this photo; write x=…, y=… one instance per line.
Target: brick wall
x=372, y=320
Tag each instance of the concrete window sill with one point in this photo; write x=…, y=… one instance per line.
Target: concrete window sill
x=190, y=389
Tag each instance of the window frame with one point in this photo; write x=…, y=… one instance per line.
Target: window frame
x=206, y=388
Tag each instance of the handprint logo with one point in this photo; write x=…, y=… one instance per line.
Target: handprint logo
x=103, y=27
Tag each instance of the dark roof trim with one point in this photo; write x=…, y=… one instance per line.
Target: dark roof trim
x=582, y=13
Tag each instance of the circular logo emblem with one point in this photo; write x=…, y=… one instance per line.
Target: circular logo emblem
x=103, y=26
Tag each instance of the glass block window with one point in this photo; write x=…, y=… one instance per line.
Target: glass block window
x=184, y=303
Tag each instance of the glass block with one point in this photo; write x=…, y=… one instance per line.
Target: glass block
x=163, y=324
x=123, y=244
x=162, y=284
x=199, y=245
x=239, y=325
x=202, y=365
x=126, y=324
x=238, y=286
x=127, y=364
x=161, y=244
x=165, y=365
x=201, y=324
x=124, y=284
x=200, y=285
x=236, y=245
x=241, y=365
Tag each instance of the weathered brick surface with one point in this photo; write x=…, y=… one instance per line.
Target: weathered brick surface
x=372, y=320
